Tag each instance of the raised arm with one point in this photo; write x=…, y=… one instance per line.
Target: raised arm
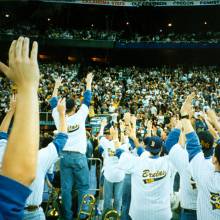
x=54, y=99
x=8, y=117
x=214, y=119
x=58, y=83
x=101, y=131
x=88, y=94
x=61, y=138
x=210, y=127
x=192, y=141
x=19, y=162
x=49, y=155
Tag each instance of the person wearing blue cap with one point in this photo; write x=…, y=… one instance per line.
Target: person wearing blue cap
x=150, y=178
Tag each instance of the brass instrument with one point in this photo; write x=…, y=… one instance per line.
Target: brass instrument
x=111, y=215
x=53, y=206
x=87, y=206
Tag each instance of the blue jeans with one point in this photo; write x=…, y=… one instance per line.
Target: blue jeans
x=74, y=171
x=113, y=191
x=189, y=215
x=35, y=215
x=126, y=198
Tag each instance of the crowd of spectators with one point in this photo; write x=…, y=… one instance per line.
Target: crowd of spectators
x=121, y=36
x=149, y=93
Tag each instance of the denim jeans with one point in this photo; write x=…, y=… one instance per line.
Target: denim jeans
x=73, y=172
x=126, y=198
x=35, y=215
x=113, y=191
x=189, y=215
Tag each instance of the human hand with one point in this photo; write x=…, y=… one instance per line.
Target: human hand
x=23, y=69
x=61, y=106
x=127, y=118
x=186, y=108
x=149, y=125
x=133, y=120
x=212, y=116
x=12, y=104
x=178, y=124
x=58, y=82
x=122, y=126
x=89, y=78
x=103, y=123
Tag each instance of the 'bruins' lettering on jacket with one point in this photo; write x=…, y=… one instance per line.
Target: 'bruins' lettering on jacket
x=215, y=200
x=73, y=128
x=150, y=177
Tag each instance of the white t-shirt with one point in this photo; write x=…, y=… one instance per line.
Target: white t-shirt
x=208, y=182
x=77, y=140
x=3, y=144
x=188, y=189
x=46, y=158
x=111, y=171
x=150, y=186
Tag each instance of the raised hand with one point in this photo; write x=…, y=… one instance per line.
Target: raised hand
x=186, y=108
x=89, y=79
x=58, y=82
x=23, y=69
x=61, y=106
x=103, y=123
x=12, y=104
x=122, y=126
x=127, y=118
x=133, y=120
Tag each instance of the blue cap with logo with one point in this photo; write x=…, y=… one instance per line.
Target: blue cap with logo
x=153, y=144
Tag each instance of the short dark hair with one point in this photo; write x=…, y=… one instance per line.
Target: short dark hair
x=207, y=138
x=217, y=152
x=70, y=104
x=44, y=141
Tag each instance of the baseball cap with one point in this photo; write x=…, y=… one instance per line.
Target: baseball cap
x=153, y=144
x=107, y=129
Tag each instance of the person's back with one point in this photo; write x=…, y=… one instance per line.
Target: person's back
x=208, y=182
x=150, y=190
x=150, y=181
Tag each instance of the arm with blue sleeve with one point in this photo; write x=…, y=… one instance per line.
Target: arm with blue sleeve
x=53, y=149
x=84, y=109
x=62, y=137
x=177, y=155
x=136, y=145
x=7, y=119
x=54, y=100
x=53, y=104
x=200, y=168
x=4, y=132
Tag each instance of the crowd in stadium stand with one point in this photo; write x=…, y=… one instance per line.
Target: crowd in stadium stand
x=146, y=92
x=123, y=36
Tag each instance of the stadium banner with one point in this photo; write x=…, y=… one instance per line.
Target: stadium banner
x=155, y=3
